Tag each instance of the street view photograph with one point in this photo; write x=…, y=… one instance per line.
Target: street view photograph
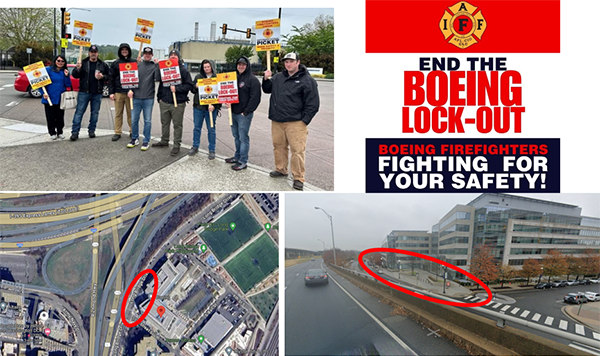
x=111, y=274
x=442, y=274
x=166, y=99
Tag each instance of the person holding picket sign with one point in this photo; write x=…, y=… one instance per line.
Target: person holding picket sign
x=204, y=112
x=242, y=113
x=61, y=80
x=118, y=93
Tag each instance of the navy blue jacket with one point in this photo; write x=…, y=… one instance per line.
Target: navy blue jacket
x=59, y=84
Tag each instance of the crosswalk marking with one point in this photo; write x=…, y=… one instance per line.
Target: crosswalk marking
x=563, y=325
x=536, y=317
x=549, y=320
x=596, y=335
x=525, y=313
x=469, y=297
x=579, y=329
x=497, y=305
x=505, y=308
x=515, y=310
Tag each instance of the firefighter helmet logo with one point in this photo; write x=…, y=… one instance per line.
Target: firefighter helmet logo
x=144, y=30
x=268, y=33
x=463, y=24
x=208, y=89
x=128, y=66
x=37, y=73
x=82, y=32
x=168, y=63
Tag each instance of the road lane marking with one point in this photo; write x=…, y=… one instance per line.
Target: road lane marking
x=596, y=335
x=385, y=328
x=505, y=308
x=536, y=317
x=549, y=320
x=8, y=85
x=1, y=88
x=563, y=325
x=525, y=313
x=469, y=297
x=12, y=103
x=515, y=310
x=579, y=329
x=497, y=305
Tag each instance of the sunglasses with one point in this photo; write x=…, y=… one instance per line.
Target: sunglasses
x=60, y=61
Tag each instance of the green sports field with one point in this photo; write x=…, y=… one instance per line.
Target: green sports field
x=253, y=263
x=222, y=240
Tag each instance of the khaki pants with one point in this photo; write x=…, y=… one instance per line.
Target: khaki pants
x=168, y=113
x=293, y=135
x=121, y=101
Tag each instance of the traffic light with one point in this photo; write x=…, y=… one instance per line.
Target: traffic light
x=224, y=28
x=67, y=18
x=68, y=36
x=248, y=32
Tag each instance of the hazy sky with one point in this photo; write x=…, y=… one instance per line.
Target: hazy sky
x=362, y=221
x=114, y=26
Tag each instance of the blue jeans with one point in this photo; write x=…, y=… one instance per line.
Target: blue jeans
x=199, y=117
x=240, y=129
x=83, y=99
x=140, y=105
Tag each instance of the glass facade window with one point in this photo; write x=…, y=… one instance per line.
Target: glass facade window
x=556, y=230
x=454, y=251
x=543, y=251
x=516, y=262
x=412, y=245
x=556, y=241
x=455, y=240
x=459, y=215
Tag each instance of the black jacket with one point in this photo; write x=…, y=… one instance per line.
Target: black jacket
x=248, y=91
x=114, y=83
x=292, y=98
x=82, y=75
x=202, y=75
x=181, y=91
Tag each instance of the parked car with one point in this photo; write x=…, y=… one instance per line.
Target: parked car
x=575, y=298
x=570, y=283
x=592, y=296
x=315, y=276
x=595, y=280
x=576, y=283
x=557, y=284
x=380, y=271
x=585, y=282
x=543, y=285
x=312, y=259
x=22, y=84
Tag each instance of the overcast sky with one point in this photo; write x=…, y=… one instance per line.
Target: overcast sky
x=362, y=221
x=114, y=26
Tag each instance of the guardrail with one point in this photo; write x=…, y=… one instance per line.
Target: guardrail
x=501, y=318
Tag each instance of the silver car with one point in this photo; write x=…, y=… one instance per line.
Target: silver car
x=316, y=276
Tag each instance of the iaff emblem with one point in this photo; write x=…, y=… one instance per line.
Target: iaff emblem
x=464, y=24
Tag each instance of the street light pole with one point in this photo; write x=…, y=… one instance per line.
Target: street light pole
x=445, y=271
x=323, y=245
x=332, y=238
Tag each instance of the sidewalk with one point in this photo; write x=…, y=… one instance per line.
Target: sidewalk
x=31, y=161
x=422, y=280
x=589, y=314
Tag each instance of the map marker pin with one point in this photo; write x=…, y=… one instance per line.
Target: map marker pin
x=201, y=338
x=228, y=350
x=268, y=226
x=232, y=226
x=203, y=248
x=47, y=331
x=161, y=311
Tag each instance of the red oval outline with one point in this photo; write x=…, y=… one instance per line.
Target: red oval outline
x=152, y=299
x=424, y=297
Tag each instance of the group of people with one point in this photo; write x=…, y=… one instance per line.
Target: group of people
x=294, y=102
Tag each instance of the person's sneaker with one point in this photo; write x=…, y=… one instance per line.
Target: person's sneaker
x=74, y=137
x=53, y=137
x=231, y=160
x=277, y=174
x=211, y=155
x=134, y=142
x=193, y=151
x=239, y=166
x=92, y=134
x=160, y=144
x=175, y=151
x=298, y=185
x=61, y=136
x=116, y=137
x=145, y=146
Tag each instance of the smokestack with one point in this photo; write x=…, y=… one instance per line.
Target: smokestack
x=213, y=31
x=196, y=32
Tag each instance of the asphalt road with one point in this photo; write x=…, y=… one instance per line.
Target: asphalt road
x=325, y=320
x=319, y=147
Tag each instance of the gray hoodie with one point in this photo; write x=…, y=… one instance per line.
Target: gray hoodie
x=149, y=74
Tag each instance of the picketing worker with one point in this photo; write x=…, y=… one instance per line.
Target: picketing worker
x=143, y=99
x=249, y=98
x=117, y=93
x=91, y=72
x=293, y=104
x=168, y=112
x=61, y=80
x=202, y=113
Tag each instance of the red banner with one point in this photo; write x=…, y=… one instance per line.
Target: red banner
x=474, y=26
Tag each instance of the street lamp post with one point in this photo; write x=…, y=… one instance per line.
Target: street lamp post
x=541, y=274
x=323, y=245
x=445, y=272
x=332, y=238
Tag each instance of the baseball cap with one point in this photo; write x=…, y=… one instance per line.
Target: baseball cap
x=93, y=48
x=242, y=60
x=148, y=50
x=292, y=55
